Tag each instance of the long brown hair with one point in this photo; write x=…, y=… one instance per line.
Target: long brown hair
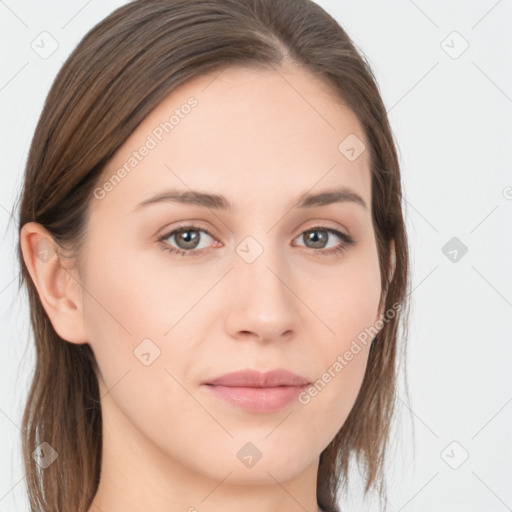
x=121, y=70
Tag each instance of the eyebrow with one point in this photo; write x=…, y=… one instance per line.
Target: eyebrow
x=219, y=202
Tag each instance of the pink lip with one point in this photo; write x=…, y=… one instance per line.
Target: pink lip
x=255, y=379
x=258, y=392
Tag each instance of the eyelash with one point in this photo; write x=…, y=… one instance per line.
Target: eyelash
x=347, y=241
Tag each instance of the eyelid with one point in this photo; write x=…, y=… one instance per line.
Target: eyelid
x=196, y=225
x=325, y=225
x=192, y=225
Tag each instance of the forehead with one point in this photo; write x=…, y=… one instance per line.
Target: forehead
x=246, y=133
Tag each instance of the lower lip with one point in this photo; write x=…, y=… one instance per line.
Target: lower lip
x=257, y=399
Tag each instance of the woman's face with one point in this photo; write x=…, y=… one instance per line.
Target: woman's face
x=257, y=284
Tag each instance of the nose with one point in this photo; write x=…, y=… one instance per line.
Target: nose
x=261, y=305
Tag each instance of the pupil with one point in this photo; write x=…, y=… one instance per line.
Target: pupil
x=190, y=240
x=318, y=240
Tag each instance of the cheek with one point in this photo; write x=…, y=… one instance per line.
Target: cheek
x=123, y=316
x=127, y=299
x=328, y=402
x=346, y=300
x=128, y=314
x=133, y=317
x=350, y=309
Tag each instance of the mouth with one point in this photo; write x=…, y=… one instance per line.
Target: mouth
x=253, y=391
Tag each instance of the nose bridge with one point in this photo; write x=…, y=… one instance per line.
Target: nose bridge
x=261, y=303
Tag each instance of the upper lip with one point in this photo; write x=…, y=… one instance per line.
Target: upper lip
x=256, y=379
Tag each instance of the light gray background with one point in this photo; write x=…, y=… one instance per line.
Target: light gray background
x=452, y=121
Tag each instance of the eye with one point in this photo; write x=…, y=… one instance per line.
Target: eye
x=319, y=242
x=188, y=238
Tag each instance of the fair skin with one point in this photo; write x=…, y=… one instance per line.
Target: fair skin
x=170, y=445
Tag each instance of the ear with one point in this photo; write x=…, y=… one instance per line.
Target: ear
x=59, y=289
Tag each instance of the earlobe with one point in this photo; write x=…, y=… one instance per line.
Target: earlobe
x=58, y=290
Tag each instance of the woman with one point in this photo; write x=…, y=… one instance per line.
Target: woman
x=213, y=245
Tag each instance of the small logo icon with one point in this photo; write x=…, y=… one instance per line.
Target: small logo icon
x=351, y=147
x=146, y=352
x=44, y=45
x=454, y=249
x=249, y=249
x=249, y=455
x=454, y=455
x=454, y=45
x=45, y=455
x=44, y=250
